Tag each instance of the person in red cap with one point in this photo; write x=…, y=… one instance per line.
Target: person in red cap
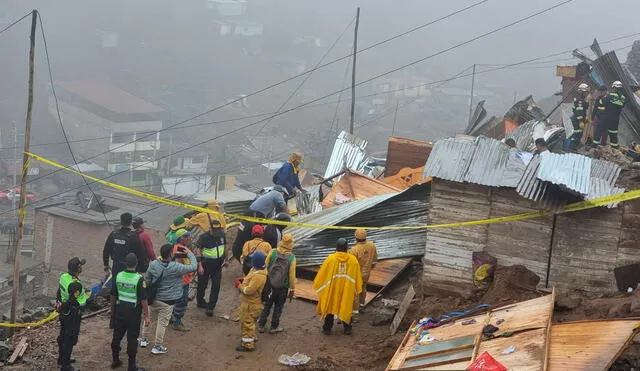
x=253, y=245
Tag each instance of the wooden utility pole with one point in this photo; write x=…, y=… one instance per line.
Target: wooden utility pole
x=353, y=72
x=473, y=85
x=25, y=171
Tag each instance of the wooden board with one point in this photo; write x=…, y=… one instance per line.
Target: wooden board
x=589, y=345
x=18, y=350
x=402, y=310
x=382, y=274
x=304, y=290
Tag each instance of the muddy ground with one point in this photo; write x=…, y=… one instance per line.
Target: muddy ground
x=211, y=343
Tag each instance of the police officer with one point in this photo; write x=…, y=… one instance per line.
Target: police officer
x=120, y=243
x=212, y=255
x=71, y=298
x=580, y=108
x=128, y=303
x=614, y=102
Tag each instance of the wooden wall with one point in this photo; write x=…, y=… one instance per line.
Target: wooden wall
x=585, y=246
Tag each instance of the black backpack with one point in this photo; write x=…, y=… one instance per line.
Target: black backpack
x=278, y=273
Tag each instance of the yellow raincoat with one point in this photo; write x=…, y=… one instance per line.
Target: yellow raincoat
x=204, y=220
x=337, y=283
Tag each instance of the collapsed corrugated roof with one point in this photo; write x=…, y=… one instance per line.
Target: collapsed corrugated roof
x=550, y=176
x=355, y=186
x=526, y=134
x=348, y=151
x=399, y=209
x=480, y=160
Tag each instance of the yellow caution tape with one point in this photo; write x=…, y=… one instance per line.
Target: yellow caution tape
x=584, y=205
x=51, y=316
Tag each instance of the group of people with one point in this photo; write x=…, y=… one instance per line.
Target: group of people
x=150, y=291
x=605, y=116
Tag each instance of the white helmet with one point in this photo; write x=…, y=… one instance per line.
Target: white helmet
x=583, y=87
x=616, y=84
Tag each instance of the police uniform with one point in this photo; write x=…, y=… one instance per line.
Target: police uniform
x=212, y=246
x=129, y=290
x=70, y=313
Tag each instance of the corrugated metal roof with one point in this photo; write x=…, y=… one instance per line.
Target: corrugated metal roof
x=312, y=246
x=349, y=151
x=569, y=170
x=600, y=188
x=484, y=161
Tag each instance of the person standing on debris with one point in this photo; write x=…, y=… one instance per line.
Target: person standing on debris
x=281, y=282
x=541, y=146
x=119, y=244
x=213, y=256
x=287, y=175
x=597, y=116
x=252, y=246
x=337, y=283
x=129, y=303
x=270, y=203
x=164, y=279
x=145, y=240
x=273, y=232
x=70, y=301
x=204, y=220
x=181, y=254
x=179, y=222
x=579, y=117
x=367, y=254
x=614, y=102
x=251, y=301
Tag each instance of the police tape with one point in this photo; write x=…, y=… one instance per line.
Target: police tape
x=578, y=206
x=49, y=318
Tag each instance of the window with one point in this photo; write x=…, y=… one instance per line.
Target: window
x=197, y=159
x=146, y=136
x=121, y=137
x=139, y=176
x=144, y=156
x=120, y=157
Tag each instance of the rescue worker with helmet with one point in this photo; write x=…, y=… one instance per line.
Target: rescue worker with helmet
x=597, y=116
x=204, y=220
x=273, y=232
x=181, y=254
x=367, y=254
x=614, y=102
x=579, y=117
x=128, y=303
x=70, y=301
x=213, y=256
x=252, y=246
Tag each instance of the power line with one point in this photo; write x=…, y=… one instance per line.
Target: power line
x=291, y=78
x=55, y=98
x=359, y=83
x=15, y=22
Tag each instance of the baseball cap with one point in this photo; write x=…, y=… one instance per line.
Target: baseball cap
x=138, y=221
x=75, y=263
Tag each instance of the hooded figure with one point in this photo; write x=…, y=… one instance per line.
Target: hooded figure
x=251, y=301
x=337, y=284
x=367, y=254
x=252, y=246
x=204, y=220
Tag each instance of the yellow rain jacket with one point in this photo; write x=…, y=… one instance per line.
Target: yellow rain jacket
x=203, y=220
x=337, y=283
x=251, y=287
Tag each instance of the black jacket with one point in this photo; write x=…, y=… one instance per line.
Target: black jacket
x=118, y=245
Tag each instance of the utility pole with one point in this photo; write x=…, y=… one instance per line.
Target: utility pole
x=473, y=83
x=353, y=72
x=25, y=171
x=14, y=167
x=395, y=119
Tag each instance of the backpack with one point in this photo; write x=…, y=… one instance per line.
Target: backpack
x=278, y=273
x=152, y=289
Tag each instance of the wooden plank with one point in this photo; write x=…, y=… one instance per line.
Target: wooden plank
x=17, y=350
x=400, y=354
x=439, y=359
x=529, y=354
x=402, y=310
x=547, y=337
x=437, y=347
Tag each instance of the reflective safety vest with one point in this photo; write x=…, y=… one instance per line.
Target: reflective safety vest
x=617, y=99
x=214, y=252
x=580, y=108
x=65, y=280
x=127, y=284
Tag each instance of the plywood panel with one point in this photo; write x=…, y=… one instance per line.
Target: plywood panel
x=591, y=345
x=403, y=152
x=529, y=354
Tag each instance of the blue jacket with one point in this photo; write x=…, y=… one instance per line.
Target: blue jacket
x=287, y=177
x=170, y=285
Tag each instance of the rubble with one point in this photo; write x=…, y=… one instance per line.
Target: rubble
x=382, y=316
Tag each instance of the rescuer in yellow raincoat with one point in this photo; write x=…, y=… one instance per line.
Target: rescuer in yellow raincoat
x=337, y=284
x=367, y=254
x=251, y=301
x=204, y=220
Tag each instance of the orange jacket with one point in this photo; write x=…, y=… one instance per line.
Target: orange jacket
x=180, y=253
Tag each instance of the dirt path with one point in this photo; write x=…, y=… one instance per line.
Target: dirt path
x=210, y=345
